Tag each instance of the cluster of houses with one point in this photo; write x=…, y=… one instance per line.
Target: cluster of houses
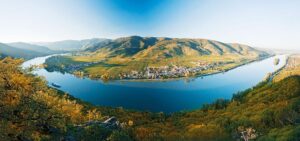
x=172, y=71
x=161, y=72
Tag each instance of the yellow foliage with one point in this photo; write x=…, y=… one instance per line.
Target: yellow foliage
x=130, y=123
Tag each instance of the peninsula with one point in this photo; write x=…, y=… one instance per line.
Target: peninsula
x=137, y=57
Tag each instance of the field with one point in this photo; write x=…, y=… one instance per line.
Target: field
x=114, y=68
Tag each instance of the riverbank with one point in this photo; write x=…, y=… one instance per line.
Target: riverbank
x=191, y=77
x=271, y=76
x=292, y=67
x=162, y=73
x=139, y=95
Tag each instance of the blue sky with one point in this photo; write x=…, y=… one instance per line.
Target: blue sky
x=259, y=23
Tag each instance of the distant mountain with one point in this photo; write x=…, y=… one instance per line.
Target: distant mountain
x=6, y=50
x=153, y=47
x=32, y=47
x=70, y=45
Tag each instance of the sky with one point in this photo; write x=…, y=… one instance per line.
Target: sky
x=259, y=23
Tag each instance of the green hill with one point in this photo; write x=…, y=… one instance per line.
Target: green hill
x=6, y=50
x=131, y=58
x=153, y=48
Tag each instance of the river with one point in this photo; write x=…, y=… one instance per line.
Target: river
x=161, y=96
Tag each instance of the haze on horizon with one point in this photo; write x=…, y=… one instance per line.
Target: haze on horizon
x=267, y=24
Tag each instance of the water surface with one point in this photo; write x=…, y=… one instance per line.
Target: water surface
x=162, y=96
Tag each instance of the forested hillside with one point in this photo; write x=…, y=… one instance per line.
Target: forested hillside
x=30, y=110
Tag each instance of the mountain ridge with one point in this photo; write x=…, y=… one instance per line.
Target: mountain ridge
x=168, y=47
x=69, y=45
x=32, y=47
x=136, y=57
x=6, y=50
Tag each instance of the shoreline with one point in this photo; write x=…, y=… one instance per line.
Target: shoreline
x=188, y=80
x=166, y=79
x=179, y=78
x=273, y=74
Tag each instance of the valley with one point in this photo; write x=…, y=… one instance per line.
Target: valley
x=137, y=57
x=186, y=93
x=214, y=107
x=149, y=70
x=30, y=110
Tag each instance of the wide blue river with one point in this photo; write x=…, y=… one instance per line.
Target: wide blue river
x=162, y=96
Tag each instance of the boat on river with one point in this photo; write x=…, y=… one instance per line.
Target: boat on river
x=55, y=85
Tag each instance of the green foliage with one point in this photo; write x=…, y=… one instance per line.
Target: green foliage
x=119, y=136
x=288, y=133
x=218, y=104
x=91, y=133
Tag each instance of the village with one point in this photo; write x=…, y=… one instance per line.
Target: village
x=150, y=72
x=173, y=71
